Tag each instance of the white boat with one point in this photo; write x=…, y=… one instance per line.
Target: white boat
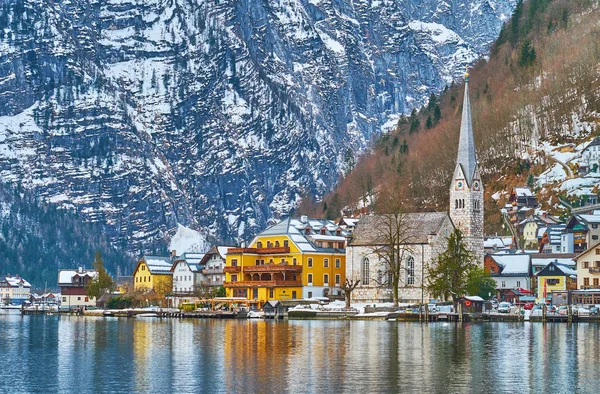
x=147, y=315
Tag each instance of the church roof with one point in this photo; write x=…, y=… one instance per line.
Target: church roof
x=466, y=143
x=420, y=225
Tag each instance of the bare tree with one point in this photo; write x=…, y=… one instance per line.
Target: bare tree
x=348, y=288
x=392, y=248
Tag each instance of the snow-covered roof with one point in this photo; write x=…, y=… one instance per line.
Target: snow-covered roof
x=523, y=191
x=474, y=298
x=222, y=250
x=544, y=261
x=419, y=227
x=66, y=276
x=16, y=281
x=497, y=242
x=513, y=264
x=303, y=231
x=541, y=231
x=158, y=264
x=590, y=218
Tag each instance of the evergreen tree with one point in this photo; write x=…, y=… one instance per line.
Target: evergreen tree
x=101, y=284
x=448, y=277
x=480, y=284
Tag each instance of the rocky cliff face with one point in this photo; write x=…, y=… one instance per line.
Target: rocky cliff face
x=217, y=114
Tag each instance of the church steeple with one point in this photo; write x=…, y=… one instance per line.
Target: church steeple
x=466, y=190
x=466, y=144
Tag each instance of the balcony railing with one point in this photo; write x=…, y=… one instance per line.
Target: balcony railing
x=271, y=250
x=232, y=269
x=594, y=270
x=273, y=268
x=263, y=283
x=212, y=271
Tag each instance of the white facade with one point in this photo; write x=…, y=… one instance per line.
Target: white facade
x=214, y=262
x=363, y=263
x=14, y=290
x=73, y=287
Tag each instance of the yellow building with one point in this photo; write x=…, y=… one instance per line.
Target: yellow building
x=588, y=268
x=153, y=273
x=554, y=277
x=296, y=258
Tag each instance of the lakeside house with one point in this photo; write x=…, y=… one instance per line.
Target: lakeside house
x=153, y=274
x=296, y=258
x=73, y=285
x=554, y=277
x=512, y=273
x=14, y=290
x=588, y=268
x=214, y=264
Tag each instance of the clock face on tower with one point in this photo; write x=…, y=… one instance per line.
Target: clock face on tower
x=476, y=185
x=459, y=185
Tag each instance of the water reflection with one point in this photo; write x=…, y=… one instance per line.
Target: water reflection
x=75, y=354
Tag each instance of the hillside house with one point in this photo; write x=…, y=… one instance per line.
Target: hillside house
x=510, y=271
x=73, y=285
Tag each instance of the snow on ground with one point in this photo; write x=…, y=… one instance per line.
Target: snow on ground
x=188, y=240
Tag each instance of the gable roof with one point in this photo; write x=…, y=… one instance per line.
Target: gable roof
x=513, y=264
x=15, y=281
x=65, y=277
x=420, y=226
x=597, y=244
x=304, y=232
x=595, y=141
x=563, y=270
x=157, y=265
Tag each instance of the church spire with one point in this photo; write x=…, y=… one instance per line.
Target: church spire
x=466, y=145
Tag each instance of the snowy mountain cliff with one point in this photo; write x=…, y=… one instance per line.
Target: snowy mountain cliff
x=216, y=114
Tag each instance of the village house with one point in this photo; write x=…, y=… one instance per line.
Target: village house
x=426, y=237
x=554, y=277
x=73, y=285
x=153, y=274
x=585, y=230
x=588, y=268
x=214, y=264
x=296, y=258
x=590, y=158
x=187, y=274
x=497, y=244
x=14, y=290
x=551, y=239
x=511, y=272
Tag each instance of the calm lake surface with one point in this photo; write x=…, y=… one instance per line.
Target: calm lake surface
x=66, y=354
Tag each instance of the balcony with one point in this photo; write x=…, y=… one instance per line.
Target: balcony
x=273, y=268
x=594, y=270
x=263, y=283
x=272, y=250
x=213, y=271
x=232, y=269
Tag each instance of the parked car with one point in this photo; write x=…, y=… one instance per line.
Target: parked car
x=594, y=310
x=581, y=311
x=528, y=306
x=504, y=307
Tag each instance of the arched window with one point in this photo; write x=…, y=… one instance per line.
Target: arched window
x=410, y=270
x=365, y=274
x=455, y=204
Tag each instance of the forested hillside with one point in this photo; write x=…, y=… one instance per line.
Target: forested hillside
x=37, y=239
x=540, y=84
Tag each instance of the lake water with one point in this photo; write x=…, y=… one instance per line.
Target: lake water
x=65, y=354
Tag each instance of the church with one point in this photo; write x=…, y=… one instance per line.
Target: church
x=426, y=233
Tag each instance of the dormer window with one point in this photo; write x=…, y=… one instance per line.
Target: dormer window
x=338, y=232
x=323, y=231
x=307, y=231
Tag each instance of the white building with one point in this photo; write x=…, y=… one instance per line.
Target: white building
x=73, y=284
x=510, y=271
x=187, y=273
x=14, y=290
x=213, y=264
x=427, y=234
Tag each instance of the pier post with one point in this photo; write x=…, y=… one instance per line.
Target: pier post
x=544, y=313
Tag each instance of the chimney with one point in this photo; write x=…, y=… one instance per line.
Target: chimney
x=304, y=219
x=80, y=270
